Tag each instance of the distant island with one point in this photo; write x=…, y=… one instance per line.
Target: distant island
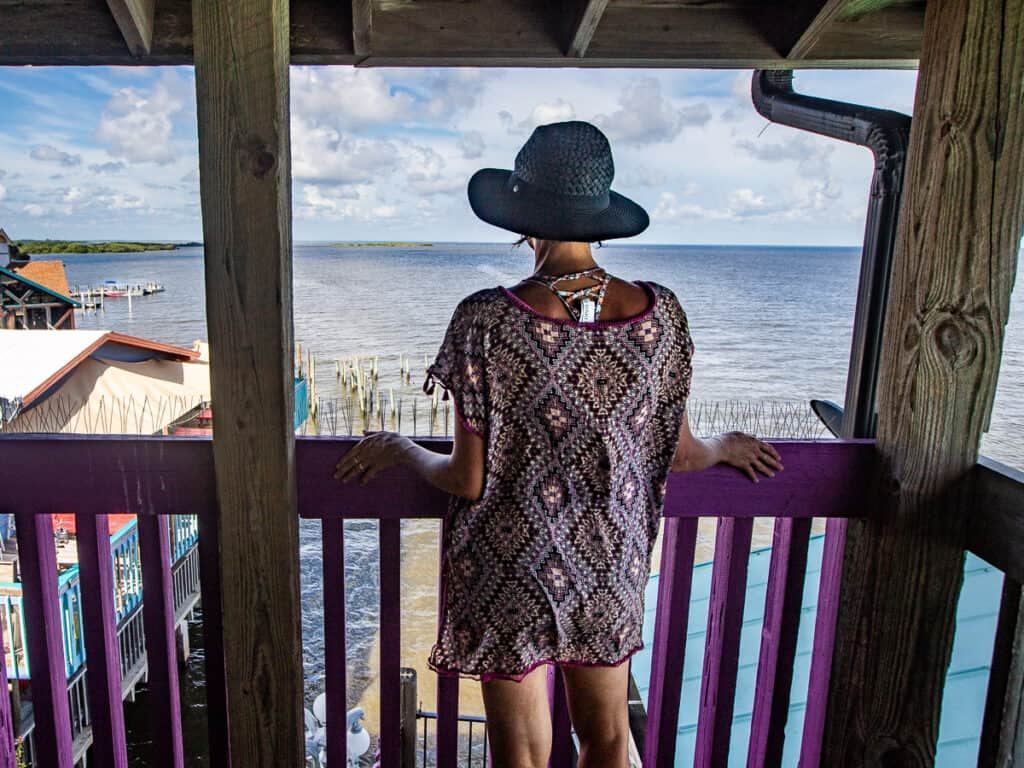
x=71, y=246
x=382, y=245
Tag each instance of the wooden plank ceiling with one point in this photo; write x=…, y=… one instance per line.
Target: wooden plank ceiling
x=601, y=33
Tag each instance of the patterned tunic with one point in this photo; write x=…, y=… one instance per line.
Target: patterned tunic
x=581, y=421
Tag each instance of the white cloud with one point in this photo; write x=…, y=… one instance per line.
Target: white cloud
x=472, y=145
x=425, y=171
x=321, y=153
x=114, y=166
x=670, y=209
x=49, y=154
x=557, y=111
x=811, y=155
x=646, y=117
x=138, y=125
x=72, y=195
x=3, y=191
x=638, y=175
x=342, y=96
x=35, y=210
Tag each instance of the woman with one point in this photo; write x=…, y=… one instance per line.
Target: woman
x=570, y=390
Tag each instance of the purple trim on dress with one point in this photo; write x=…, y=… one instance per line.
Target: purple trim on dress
x=462, y=420
x=518, y=677
x=582, y=324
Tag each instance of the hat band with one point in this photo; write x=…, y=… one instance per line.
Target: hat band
x=576, y=203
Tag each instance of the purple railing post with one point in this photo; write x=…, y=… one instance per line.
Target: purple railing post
x=447, y=686
x=38, y=560
x=783, y=603
x=334, y=639
x=213, y=637
x=106, y=710
x=671, y=619
x=561, y=725
x=161, y=653
x=7, y=754
x=390, y=642
x=721, y=655
x=824, y=642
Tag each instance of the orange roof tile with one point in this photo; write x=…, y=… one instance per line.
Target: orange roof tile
x=49, y=274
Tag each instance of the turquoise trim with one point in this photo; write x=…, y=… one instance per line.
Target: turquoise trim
x=43, y=288
x=127, y=567
x=963, y=700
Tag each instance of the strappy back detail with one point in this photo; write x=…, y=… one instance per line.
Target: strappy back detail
x=594, y=293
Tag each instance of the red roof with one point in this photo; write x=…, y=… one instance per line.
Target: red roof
x=67, y=521
x=49, y=274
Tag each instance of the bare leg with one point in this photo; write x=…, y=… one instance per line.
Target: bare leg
x=597, y=698
x=518, y=720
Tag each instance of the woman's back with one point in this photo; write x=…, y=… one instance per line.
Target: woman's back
x=581, y=421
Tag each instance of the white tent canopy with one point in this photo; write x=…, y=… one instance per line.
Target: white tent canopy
x=95, y=382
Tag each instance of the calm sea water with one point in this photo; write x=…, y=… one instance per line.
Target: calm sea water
x=767, y=322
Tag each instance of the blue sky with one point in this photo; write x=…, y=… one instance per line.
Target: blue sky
x=384, y=154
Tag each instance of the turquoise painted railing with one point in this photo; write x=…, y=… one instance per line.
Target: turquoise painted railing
x=127, y=565
x=301, y=402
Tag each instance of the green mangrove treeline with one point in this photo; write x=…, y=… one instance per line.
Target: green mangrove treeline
x=70, y=246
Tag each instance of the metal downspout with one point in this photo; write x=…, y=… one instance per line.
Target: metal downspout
x=886, y=134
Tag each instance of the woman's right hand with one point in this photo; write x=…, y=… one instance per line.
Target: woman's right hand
x=749, y=455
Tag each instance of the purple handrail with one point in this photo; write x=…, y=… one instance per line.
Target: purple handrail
x=8, y=757
x=161, y=654
x=722, y=652
x=447, y=686
x=153, y=477
x=50, y=708
x=561, y=728
x=390, y=642
x=335, y=672
x=783, y=604
x=678, y=546
x=109, y=749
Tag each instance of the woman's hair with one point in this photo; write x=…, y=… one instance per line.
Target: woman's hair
x=523, y=238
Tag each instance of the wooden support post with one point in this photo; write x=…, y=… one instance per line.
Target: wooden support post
x=135, y=20
x=362, y=26
x=584, y=26
x=959, y=233
x=241, y=63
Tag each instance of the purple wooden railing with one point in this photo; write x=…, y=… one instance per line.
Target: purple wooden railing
x=154, y=477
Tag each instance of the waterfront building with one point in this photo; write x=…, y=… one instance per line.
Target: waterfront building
x=33, y=294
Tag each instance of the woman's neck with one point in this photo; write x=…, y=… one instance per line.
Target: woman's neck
x=560, y=258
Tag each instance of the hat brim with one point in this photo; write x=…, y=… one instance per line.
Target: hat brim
x=492, y=199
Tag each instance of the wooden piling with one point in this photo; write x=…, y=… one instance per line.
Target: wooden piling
x=241, y=53
x=959, y=233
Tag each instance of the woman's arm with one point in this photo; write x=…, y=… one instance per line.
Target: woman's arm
x=745, y=452
x=460, y=473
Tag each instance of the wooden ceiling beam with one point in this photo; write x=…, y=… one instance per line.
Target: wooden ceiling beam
x=362, y=26
x=818, y=17
x=584, y=26
x=135, y=20
x=496, y=33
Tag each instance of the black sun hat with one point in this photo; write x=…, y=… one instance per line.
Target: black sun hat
x=560, y=189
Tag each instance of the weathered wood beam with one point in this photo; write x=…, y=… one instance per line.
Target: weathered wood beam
x=524, y=33
x=959, y=232
x=814, y=17
x=996, y=529
x=584, y=25
x=135, y=20
x=362, y=26
x=1011, y=732
x=241, y=65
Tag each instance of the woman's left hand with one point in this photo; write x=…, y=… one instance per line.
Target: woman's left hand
x=749, y=455
x=375, y=452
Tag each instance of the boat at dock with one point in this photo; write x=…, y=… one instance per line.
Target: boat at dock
x=111, y=289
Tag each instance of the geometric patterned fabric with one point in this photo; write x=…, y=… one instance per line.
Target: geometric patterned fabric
x=581, y=422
